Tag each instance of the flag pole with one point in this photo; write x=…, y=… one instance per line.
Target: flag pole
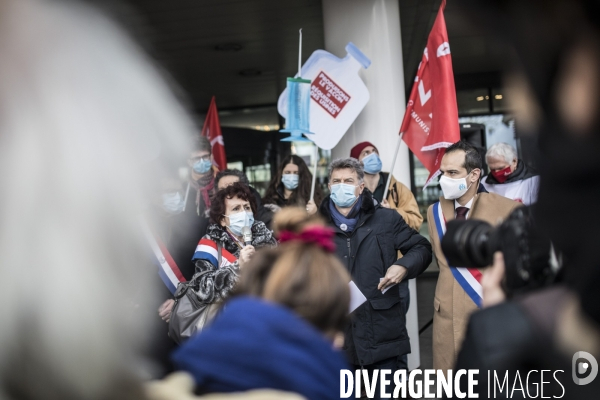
x=300, y=55
x=389, y=179
x=314, y=180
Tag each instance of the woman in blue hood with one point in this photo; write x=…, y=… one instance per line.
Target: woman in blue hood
x=279, y=327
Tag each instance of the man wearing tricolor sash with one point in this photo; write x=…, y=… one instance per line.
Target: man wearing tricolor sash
x=458, y=290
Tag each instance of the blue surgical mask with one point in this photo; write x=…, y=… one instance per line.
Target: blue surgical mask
x=202, y=166
x=372, y=164
x=290, y=181
x=238, y=220
x=173, y=203
x=343, y=195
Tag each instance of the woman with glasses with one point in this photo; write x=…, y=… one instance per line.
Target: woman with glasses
x=188, y=207
x=187, y=212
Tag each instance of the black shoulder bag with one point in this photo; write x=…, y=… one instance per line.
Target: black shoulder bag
x=190, y=315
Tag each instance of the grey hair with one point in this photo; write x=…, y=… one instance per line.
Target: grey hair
x=201, y=143
x=232, y=172
x=347, y=163
x=503, y=150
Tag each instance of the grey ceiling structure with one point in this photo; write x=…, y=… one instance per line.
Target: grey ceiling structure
x=242, y=50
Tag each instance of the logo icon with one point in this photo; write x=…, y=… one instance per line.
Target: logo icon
x=462, y=186
x=584, y=364
x=443, y=50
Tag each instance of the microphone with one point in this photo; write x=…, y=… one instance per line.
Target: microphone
x=247, y=234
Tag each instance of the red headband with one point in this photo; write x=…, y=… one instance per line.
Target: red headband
x=319, y=235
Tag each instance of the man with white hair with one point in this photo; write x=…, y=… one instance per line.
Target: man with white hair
x=509, y=176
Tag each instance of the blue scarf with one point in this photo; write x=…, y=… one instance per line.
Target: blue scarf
x=255, y=344
x=349, y=221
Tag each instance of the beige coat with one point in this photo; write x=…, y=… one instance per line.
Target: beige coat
x=452, y=305
x=402, y=200
x=180, y=386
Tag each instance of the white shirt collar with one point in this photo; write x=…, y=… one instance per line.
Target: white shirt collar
x=468, y=205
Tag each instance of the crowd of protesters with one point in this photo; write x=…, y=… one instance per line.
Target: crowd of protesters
x=277, y=271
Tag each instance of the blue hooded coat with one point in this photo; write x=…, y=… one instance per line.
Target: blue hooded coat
x=254, y=344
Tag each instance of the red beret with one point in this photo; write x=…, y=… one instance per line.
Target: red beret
x=355, y=152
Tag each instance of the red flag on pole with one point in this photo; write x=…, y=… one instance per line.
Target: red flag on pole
x=431, y=120
x=212, y=130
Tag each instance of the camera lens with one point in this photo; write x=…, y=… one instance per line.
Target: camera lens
x=467, y=244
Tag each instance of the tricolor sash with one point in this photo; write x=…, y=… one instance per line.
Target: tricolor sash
x=209, y=251
x=167, y=269
x=468, y=278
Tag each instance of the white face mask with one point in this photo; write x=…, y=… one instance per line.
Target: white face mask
x=454, y=188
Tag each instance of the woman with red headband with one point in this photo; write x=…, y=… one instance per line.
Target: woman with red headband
x=282, y=324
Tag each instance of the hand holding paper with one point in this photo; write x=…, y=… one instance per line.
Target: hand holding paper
x=394, y=275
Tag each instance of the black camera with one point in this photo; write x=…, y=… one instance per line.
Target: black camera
x=527, y=251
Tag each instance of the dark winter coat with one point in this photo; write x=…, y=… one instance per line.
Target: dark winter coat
x=278, y=199
x=377, y=329
x=262, y=213
x=526, y=336
x=187, y=229
x=215, y=285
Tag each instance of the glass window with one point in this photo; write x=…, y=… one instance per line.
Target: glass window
x=257, y=118
x=499, y=100
x=431, y=193
x=235, y=165
x=259, y=177
x=475, y=101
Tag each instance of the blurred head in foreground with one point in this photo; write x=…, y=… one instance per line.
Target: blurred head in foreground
x=84, y=118
x=278, y=327
x=302, y=274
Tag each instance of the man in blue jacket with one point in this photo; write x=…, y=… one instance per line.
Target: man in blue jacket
x=368, y=238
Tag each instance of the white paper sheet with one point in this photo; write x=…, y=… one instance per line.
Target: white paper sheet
x=387, y=288
x=356, y=297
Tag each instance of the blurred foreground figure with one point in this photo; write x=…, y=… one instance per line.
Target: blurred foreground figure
x=558, y=43
x=83, y=115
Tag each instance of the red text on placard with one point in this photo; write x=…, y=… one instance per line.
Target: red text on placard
x=328, y=94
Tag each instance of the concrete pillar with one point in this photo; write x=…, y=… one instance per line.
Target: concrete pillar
x=374, y=27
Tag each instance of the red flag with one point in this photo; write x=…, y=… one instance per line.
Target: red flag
x=212, y=130
x=431, y=120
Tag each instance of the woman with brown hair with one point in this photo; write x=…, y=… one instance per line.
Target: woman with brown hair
x=221, y=253
x=291, y=186
x=231, y=210
x=277, y=329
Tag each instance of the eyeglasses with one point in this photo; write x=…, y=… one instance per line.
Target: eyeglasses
x=202, y=158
